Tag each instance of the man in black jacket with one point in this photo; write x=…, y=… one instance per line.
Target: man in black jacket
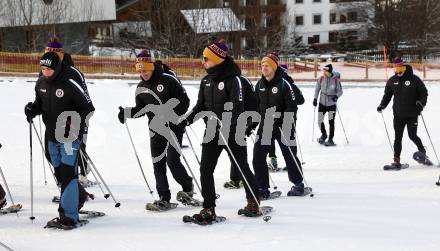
x=221, y=90
x=65, y=108
x=56, y=46
x=410, y=97
x=156, y=90
x=274, y=91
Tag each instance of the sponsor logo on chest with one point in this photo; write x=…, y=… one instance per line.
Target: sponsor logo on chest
x=160, y=88
x=274, y=90
x=221, y=86
x=59, y=93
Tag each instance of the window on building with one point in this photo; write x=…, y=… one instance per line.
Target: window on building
x=264, y=20
x=249, y=23
x=273, y=21
x=251, y=2
x=332, y=18
x=342, y=19
x=299, y=20
x=313, y=39
x=316, y=1
x=30, y=39
x=317, y=19
x=352, y=16
x=299, y=1
x=333, y=36
x=352, y=35
x=243, y=43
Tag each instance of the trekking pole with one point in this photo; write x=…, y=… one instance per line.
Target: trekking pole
x=388, y=135
x=296, y=162
x=106, y=195
x=43, y=155
x=138, y=160
x=185, y=160
x=6, y=247
x=42, y=147
x=195, y=135
x=270, y=176
x=6, y=184
x=195, y=155
x=299, y=146
x=430, y=140
x=313, y=130
x=192, y=147
x=342, y=124
x=117, y=204
x=32, y=217
x=265, y=218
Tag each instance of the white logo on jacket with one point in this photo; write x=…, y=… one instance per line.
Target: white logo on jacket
x=274, y=90
x=221, y=86
x=407, y=83
x=59, y=93
x=160, y=88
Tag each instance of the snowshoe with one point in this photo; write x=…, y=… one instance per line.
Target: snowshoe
x=395, y=167
x=160, y=206
x=272, y=195
x=330, y=143
x=263, y=211
x=12, y=209
x=232, y=184
x=299, y=191
x=186, y=198
x=65, y=225
x=322, y=139
x=422, y=158
x=91, y=214
x=206, y=216
x=191, y=219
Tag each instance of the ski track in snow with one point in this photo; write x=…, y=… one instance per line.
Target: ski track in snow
x=357, y=206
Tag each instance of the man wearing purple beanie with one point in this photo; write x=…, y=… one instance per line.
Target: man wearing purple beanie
x=222, y=90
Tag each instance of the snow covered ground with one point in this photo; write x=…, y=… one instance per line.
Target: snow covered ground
x=357, y=206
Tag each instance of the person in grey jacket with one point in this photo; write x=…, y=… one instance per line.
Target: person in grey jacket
x=329, y=90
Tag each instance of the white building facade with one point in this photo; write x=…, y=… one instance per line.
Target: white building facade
x=323, y=21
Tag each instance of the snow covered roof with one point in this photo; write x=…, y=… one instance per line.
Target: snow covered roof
x=212, y=20
x=12, y=13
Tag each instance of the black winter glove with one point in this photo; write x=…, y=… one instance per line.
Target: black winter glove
x=380, y=108
x=121, y=117
x=249, y=131
x=335, y=98
x=315, y=102
x=29, y=112
x=419, y=106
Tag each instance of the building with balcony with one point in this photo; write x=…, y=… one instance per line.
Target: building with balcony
x=328, y=23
